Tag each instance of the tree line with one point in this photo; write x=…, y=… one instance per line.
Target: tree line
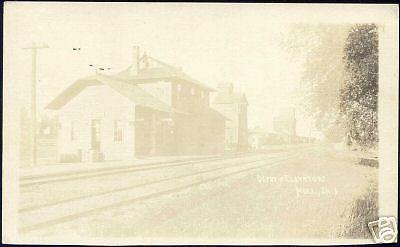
x=339, y=87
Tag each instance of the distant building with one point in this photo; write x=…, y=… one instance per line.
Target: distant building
x=257, y=138
x=150, y=108
x=46, y=138
x=233, y=106
x=260, y=139
x=285, y=124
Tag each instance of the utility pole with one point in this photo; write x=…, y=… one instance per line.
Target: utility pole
x=34, y=47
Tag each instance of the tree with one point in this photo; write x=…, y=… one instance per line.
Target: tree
x=359, y=95
x=320, y=47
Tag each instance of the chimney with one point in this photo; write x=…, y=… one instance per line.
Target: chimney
x=135, y=60
x=225, y=88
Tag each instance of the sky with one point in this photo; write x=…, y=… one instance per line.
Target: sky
x=212, y=43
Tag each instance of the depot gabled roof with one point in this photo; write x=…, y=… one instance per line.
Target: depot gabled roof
x=133, y=92
x=159, y=71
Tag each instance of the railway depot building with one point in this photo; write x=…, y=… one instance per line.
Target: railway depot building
x=151, y=108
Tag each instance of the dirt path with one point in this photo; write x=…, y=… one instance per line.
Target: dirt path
x=309, y=197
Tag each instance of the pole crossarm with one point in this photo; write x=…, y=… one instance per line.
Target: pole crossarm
x=35, y=46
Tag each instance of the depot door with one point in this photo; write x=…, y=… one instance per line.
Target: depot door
x=95, y=134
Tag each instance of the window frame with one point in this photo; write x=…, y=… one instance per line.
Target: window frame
x=118, y=132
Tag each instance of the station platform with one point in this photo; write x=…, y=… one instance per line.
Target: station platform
x=56, y=168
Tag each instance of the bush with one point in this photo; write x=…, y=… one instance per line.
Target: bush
x=364, y=210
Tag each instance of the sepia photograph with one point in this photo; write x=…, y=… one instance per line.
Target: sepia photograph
x=200, y=123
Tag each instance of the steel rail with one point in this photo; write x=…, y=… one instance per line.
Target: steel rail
x=87, y=212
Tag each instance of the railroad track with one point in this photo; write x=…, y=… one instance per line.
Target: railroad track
x=74, y=208
x=84, y=174
x=222, y=166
